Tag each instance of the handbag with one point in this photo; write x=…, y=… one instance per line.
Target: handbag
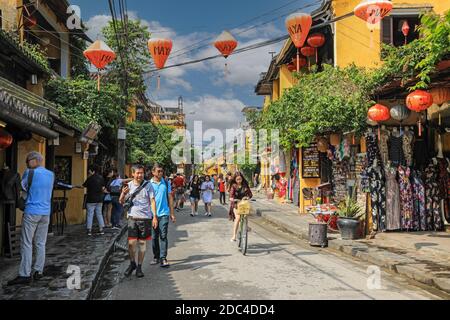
x=21, y=202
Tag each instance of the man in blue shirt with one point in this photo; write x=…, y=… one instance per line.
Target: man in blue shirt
x=36, y=218
x=164, y=210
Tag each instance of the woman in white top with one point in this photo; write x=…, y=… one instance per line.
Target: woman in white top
x=207, y=194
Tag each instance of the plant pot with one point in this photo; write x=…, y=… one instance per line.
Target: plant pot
x=349, y=228
x=318, y=234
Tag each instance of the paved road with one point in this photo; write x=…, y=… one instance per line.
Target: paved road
x=206, y=265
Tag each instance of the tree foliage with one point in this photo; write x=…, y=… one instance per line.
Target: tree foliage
x=145, y=146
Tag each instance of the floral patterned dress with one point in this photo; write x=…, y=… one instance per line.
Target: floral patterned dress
x=377, y=197
x=420, y=214
x=406, y=196
x=393, y=218
x=384, y=147
x=433, y=202
x=373, y=152
x=408, y=138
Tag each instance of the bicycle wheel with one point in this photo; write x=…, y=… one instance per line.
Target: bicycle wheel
x=239, y=235
x=244, y=236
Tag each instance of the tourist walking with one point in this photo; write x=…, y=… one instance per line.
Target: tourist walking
x=139, y=197
x=38, y=183
x=164, y=212
x=95, y=185
x=194, y=194
x=107, y=200
x=221, y=183
x=207, y=194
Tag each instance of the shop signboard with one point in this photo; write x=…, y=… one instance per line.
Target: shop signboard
x=311, y=162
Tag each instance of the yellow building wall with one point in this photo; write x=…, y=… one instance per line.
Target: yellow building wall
x=9, y=13
x=356, y=43
x=74, y=210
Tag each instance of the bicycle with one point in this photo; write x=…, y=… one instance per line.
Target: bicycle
x=243, y=231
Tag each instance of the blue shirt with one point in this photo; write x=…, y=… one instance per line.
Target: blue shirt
x=160, y=190
x=39, y=198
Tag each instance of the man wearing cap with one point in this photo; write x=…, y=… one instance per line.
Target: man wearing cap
x=38, y=183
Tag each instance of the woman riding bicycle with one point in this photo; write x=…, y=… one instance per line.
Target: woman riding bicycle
x=240, y=190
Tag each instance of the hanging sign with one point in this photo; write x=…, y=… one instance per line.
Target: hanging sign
x=311, y=162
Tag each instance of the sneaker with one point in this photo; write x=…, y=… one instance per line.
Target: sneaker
x=196, y=213
x=139, y=272
x=101, y=232
x=154, y=262
x=130, y=269
x=164, y=263
x=206, y=214
x=37, y=276
x=19, y=280
x=192, y=214
x=89, y=232
x=210, y=215
x=233, y=240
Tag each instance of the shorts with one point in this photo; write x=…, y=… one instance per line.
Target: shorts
x=139, y=229
x=193, y=199
x=179, y=194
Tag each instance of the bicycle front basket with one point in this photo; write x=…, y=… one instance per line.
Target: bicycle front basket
x=244, y=208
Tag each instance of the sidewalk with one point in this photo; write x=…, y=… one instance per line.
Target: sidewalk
x=421, y=256
x=73, y=248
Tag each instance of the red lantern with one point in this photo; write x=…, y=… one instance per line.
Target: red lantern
x=440, y=95
x=405, y=30
x=379, y=113
x=100, y=55
x=298, y=25
x=159, y=50
x=308, y=52
x=226, y=44
x=293, y=65
x=6, y=139
x=419, y=101
x=316, y=41
x=372, y=11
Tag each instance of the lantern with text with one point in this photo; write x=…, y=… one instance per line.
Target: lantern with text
x=372, y=11
x=160, y=51
x=405, y=30
x=419, y=101
x=308, y=52
x=298, y=25
x=226, y=44
x=316, y=41
x=6, y=139
x=100, y=55
x=379, y=113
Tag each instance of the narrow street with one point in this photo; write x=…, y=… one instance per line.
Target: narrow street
x=205, y=265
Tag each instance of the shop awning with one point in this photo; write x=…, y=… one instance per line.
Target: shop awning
x=26, y=110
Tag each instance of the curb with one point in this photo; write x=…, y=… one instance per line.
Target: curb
x=393, y=262
x=103, y=263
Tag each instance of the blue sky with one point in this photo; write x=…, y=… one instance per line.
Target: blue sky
x=209, y=95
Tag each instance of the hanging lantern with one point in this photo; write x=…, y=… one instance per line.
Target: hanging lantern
x=405, y=30
x=335, y=139
x=6, y=139
x=159, y=50
x=372, y=11
x=308, y=52
x=298, y=25
x=100, y=55
x=419, y=101
x=322, y=144
x=400, y=113
x=379, y=113
x=316, y=41
x=440, y=95
x=293, y=65
x=226, y=44
x=371, y=122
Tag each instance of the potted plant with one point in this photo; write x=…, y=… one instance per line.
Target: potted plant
x=350, y=215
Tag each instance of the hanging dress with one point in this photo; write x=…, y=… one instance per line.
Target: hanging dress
x=406, y=198
x=373, y=151
x=377, y=197
x=420, y=217
x=442, y=181
x=396, y=150
x=433, y=203
x=393, y=218
x=408, y=138
x=384, y=147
